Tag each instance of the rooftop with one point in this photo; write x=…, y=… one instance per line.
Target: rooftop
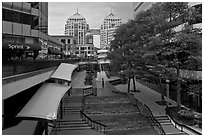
x=76, y=16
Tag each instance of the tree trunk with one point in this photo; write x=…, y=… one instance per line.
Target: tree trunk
x=161, y=90
x=134, y=86
x=129, y=85
x=178, y=88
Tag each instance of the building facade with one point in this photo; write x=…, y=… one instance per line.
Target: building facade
x=96, y=37
x=70, y=44
x=110, y=24
x=24, y=30
x=141, y=6
x=77, y=27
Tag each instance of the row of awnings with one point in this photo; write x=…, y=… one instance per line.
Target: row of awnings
x=44, y=104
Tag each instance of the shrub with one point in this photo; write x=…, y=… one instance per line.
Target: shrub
x=186, y=113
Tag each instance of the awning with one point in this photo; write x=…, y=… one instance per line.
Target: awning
x=44, y=104
x=103, y=62
x=20, y=46
x=56, y=52
x=64, y=71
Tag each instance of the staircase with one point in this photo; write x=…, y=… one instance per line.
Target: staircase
x=168, y=127
x=72, y=124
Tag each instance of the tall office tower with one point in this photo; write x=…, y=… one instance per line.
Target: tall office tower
x=110, y=24
x=77, y=26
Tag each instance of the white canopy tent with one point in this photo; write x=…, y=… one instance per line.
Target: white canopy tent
x=44, y=104
x=64, y=71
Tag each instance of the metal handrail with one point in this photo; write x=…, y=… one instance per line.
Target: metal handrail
x=180, y=124
x=94, y=124
x=154, y=122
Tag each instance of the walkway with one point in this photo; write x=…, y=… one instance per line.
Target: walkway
x=149, y=97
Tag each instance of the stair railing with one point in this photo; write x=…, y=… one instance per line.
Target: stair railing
x=157, y=126
x=145, y=110
x=88, y=91
x=94, y=124
x=182, y=126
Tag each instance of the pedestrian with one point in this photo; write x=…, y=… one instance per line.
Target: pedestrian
x=102, y=82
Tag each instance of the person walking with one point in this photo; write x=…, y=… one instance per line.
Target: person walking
x=103, y=83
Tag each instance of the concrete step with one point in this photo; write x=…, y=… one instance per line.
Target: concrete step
x=74, y=104
x=70, y=117
x=73, y=125
x=73, y=100
x=78, y=120
x=79, y=132
x=72, y=108
x=164, y=121
x=71, y=111
x=75, y=128
x=177, y=133
x=169, y=123
x=72, y=122
x=161, y=117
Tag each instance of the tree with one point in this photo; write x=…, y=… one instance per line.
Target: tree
x=173, y=48
x=151, y=38
x=126, y=51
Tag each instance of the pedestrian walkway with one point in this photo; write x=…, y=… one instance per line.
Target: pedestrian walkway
x=149, y=97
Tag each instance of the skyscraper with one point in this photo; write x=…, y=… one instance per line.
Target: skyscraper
x=77, y=26
x=110, y=24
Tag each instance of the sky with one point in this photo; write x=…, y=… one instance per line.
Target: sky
x=94, y=12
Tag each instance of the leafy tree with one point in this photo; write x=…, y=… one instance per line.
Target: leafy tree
x=151, y=39
x=174, y=48
x=126, y=51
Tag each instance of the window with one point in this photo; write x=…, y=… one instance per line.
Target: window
x=14, y=16
x=25, y=18
x=68, y=41
x=63, y=40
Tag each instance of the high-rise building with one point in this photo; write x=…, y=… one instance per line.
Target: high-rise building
x=110, y=24
x=77, y=26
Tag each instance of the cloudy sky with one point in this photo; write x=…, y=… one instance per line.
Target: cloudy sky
x=94, y=12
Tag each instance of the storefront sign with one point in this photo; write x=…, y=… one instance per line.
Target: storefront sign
x=18, y=46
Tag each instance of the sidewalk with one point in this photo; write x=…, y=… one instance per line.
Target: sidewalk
x=147, y=96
